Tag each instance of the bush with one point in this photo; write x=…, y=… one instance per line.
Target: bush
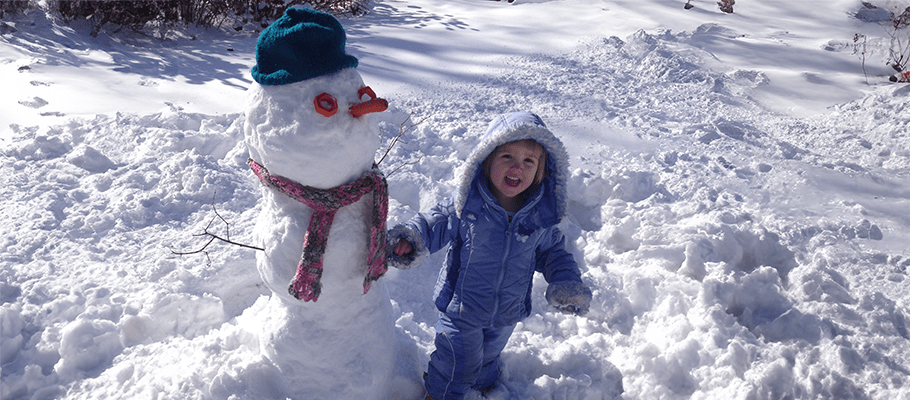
x=896, y=24
x=14, y=6
x=899, y=51
x=138, y=14
x=341, y=7
x=131, y=14
x=270, y=10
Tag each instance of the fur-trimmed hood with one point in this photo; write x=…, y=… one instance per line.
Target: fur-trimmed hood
x=511, y=127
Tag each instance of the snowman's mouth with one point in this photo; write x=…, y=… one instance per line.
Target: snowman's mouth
x=513, y=182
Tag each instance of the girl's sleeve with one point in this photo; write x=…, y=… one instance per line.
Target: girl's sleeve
x=565, y=292
x=426, y=232
x=554, y=261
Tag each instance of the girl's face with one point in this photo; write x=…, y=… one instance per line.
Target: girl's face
x=511, y=169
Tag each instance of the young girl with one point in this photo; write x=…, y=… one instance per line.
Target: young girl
x=499, y=229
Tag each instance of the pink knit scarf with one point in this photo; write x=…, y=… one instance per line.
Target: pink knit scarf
x=325, y=203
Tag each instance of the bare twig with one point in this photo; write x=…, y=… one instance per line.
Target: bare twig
x=899, y=52
x=403, y=128
x=213, y=237
x=404, y=164
x=859, y=47
x=902, y=20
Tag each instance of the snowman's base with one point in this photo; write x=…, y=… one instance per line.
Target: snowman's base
x=353, y=354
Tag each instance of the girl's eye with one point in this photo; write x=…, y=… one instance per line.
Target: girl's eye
x=326, y=104
x=366, y=91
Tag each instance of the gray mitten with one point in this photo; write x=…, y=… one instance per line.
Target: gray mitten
x=569, y=297
x=405, y=261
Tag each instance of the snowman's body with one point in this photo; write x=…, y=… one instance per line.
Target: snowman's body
x=345, y=332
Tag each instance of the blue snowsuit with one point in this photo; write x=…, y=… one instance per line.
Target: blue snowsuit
x=484, y=287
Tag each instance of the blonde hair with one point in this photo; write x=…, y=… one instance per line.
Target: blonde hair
x=541, y=164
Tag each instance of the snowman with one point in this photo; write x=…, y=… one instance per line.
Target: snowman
x=328, y=325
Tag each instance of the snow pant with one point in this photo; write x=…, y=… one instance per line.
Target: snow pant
x=466, y=357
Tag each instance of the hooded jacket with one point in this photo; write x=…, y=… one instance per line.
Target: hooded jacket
x=490, y=263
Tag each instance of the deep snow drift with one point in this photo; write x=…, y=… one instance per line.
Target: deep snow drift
x=740, y=200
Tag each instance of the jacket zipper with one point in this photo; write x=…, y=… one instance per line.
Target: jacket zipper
x=502, y=270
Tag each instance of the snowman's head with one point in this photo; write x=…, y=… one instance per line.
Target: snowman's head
x=306, y=131
x=307, y=115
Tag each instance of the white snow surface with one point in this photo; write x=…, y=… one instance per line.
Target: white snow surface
x=739, y=201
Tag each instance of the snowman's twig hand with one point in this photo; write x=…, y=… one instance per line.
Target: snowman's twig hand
x=402, y=129
x=212, y=236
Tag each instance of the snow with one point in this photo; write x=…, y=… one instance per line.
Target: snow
x=739, y=200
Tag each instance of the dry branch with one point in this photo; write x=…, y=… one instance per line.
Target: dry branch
x=403, y=128
x=213, y=237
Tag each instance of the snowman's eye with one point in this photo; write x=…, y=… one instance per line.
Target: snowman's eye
x=326, y=104
x=366, y=91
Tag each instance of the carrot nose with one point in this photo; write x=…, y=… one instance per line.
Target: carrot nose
x=369, y=106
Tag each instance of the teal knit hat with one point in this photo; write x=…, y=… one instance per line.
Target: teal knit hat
x=300, y=45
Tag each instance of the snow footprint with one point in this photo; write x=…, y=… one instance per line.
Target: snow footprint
x=34, y=102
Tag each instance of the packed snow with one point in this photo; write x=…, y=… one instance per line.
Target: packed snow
x=739, y=201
